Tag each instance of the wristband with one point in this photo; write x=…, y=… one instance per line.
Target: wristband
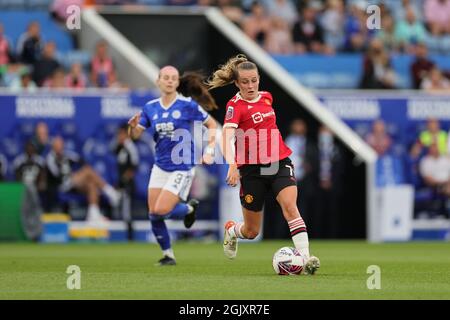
x=209, y=150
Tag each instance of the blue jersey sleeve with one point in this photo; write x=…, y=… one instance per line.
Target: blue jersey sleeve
x=198, y=113
x=145, y=118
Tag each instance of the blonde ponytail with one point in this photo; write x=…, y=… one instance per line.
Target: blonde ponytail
x=228, y=72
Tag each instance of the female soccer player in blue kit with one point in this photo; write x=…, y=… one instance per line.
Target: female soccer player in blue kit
x=171, y=176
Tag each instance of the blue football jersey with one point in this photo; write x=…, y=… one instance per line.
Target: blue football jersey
x=171, y=128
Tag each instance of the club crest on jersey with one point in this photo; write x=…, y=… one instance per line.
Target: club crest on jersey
x=176, y=114
x=230, y=113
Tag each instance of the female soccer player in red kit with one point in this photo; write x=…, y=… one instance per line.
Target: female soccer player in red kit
x=259, y=158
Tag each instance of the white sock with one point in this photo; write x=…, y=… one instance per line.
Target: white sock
x=299, y=236
x=112, y=194
x=93, y=212
x=169, y=253
x=236, y=230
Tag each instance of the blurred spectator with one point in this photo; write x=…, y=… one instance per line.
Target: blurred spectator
x=41, y=139
x=29, y=44
x=279, y=40
x=434, y=134
x=12, y=72
x=127, y=158
x=127, y=161
x=67, y=172
x=412, y=162
x=24, y=83
x=332, y=22
x=29, y=168
x=6, y=54
x=305, y=160
x=3, y=167
x=103, y=74
x=377, y=70
x=435, y=80
x=257, y=24
x=57, y=80
x=435, y=170
x=410, y=31
x=283, y=9
x=387, y=33
x=437, y=16
x=356, y=33
x=308, y=35
x=399, y=8
x=331, y=178
x=421, y=65
x=46, y=65
x=231, y=9
x=76, y=78
x=378, y=138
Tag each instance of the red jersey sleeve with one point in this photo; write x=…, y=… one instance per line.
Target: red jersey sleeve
x=232, y=116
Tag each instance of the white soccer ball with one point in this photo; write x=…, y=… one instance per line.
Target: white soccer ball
x=288, y=261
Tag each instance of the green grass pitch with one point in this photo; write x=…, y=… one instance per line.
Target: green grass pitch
x=126, y=271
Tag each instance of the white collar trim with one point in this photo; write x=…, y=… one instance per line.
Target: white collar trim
x=171, y=104
x=249, y=101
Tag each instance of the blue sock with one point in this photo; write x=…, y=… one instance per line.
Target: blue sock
x=179, y=211
x=160, y=231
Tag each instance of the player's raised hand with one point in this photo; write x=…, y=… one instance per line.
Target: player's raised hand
x=134, y=121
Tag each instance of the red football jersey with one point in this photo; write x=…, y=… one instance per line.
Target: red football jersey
x=258, y=140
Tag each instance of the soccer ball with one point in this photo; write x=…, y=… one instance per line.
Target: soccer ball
x=288, y=261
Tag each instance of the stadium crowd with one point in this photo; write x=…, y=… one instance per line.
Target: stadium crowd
x=282, y=27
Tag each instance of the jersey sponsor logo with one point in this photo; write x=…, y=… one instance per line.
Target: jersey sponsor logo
x=248, y=198
x=259, y=117
x=176, y=114
x=230, y=113
x=165, y=129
